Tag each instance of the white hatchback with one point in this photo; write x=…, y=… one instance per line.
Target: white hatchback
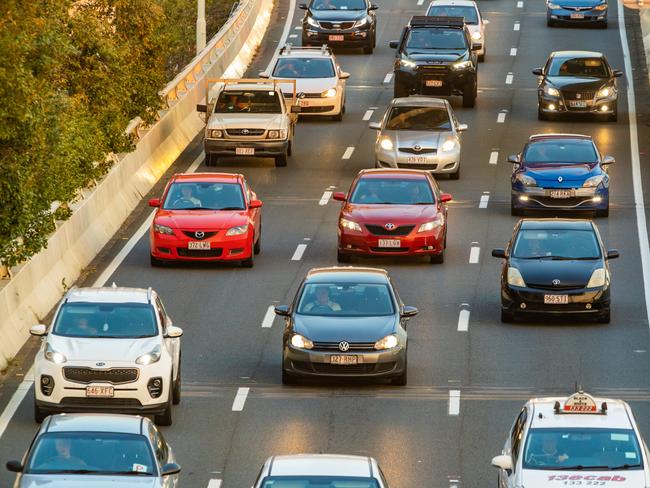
x=468, y=9
x=109, y=349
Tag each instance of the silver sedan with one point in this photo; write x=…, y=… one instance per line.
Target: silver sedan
x=419, y=132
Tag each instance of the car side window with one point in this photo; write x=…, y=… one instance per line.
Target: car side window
x=159, y=445
x=160, y=312
x=517, y=435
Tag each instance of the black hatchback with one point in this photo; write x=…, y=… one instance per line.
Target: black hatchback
x=345, y=322
x=557, y=267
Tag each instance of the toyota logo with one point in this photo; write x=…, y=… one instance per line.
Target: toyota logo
x=389, y=226
x=199, y=234
x=578, y=95
x=245, y=131
x=417, y=148
x=560, y=179
x=556, y=282
x=100, y=364
x=344, y=346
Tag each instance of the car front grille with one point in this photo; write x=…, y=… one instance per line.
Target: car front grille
x=336, y=25
x=245, y=132
x=583, y=95
x=101, y=402
x=199, y=253
x=577, y=9
x=316, y=110
x=380, y=230
x=395, y=250
x=434, y=69
x=551, y=288
x=202, y=234
x=334, y=346
x=336, y=369
x=115, y=376
x=424, y=166
x=424, y=150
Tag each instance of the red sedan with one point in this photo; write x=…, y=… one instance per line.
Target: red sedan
x=206, y=217
x=391, y=212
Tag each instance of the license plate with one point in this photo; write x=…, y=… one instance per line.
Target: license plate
x=389, y=243
x=556, y=299
x=345, y=360
x=303, y=103
x=198, y=245
x=561, y=193
x=577, y=16
x=434, y=83
x=419, y=160
x=336, y=37
x=99, y=391
x=245, y=151
x=578, y=103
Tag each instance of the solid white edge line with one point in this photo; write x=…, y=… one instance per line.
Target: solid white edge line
x=285, y=33
x=642, y=228
x=348, y=152
x=240, y=399
x=463, y=321
x=494, y=157
x=15, y=401
x=368, y=114
x=454, y=402
x=484, y=201
x=300, y=250
x=269, y=316
x=214, y=483
x=513, y=51
x=324, y=200
x=388, y=78
x=474, y=254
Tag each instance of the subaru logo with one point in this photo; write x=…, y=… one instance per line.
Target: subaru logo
x=417, y=148
x=556, y=282
x=560, y=179
x=199, y=234
x=100, y=364
x=389, y=226
x=245, y=131
x=344, y=346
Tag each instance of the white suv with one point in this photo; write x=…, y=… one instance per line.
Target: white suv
x=109, y=349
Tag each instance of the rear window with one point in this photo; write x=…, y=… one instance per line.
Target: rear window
x=304, y=68
x=467, y=12
x=106, y=320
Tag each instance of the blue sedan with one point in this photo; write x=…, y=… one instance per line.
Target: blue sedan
x=592, y=12
x=560, y=172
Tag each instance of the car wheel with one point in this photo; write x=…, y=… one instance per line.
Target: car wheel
x=507, y=317
x=456, y=174
x=605, y=317
x=338, y=117
x=342, y=257
x=155, y=262
x=288, y=379
x=516, y=212
x=481, y=57
x=402, y=378
x=613, y=117
x=176, y=392
x=258, y=245
x=305, y=43
x=602, y=213
x=211, y=160
x=39, y=415
x=540, y=114
x=399, y=90
x=281, y=161
x=437, y=258
x=469, y=94
x=250, y=262
x=550, y=23
x=290, y=148
x=165, y=418
x=603, y=25
x=369, y=48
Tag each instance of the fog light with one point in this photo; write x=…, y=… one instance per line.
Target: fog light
x=522, y=306
x=155, y=387
x=551, y=106
x=588, y=306
x=523, y=198
x=604, y=108
x=47, y=385
x=597, y=199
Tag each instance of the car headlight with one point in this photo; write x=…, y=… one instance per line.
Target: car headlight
x=458, y=65
x=604, y=92
x=301, y=342
x=526, y=180
x=514, y=277
x=312, y=22
x=407, y=63
x=55, y=357
x=237, y=231
x=349, y=224
x=593, y=182
x=434, y=224
x=277, y=134
x=215, y=133
x=598, y=278
x=476, y=35
x=388, y=342
x=553, y=92
x=553, y=6
x=151, y=357
x=163, y=229
x=448, y=145
x=386, y=143
x=329, y=93
x=361, y=22
x=601, y=7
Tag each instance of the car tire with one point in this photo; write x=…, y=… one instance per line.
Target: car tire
x=250, y=262
x=165, y=419
x=288, y=379
x=155, y=262
x=290, y=148
x=455, y=175
x=602, y=25
x=507, y=317
x=342, y=257
x=540, y=114
x=469, y=94
x=304, y=43
x=338, y=117
x=550, y=23
x=602, y=213
x=516, y=212
x=399, y=90
x=211, y=160
x=613, y=117
x=481, y=57
x=437, y=258
x=401, y=379
x=39, y=415
x=281, y=161
x=257, y=248
x=605, y=317
x=369, y=48
x=176, y=390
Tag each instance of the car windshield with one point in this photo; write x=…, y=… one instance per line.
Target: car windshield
x=204, y=196
x=556, y=244
x=436, y=39
x=560, y=151
x=304, y=68
x=392, y=191
x=106, y=320
x=254, y=102
x=338, y=5
x=91, y=453
x=467, y=12
x=582, y=449
x=346, y=300
x=418, y=118
x=592, y=67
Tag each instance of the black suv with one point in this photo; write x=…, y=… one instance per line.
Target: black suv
x=436, y=56
x=344, y=23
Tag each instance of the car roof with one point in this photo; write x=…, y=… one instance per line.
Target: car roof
x=538, y=137
x=346, y=274
x=320, y=465
x=452, y=3
x=576, y=54
x=109, y=294
x=557, y=224
x=414, y=174
x=419, y=101
x=544, y=415
x=95, y=422
x=207, y=177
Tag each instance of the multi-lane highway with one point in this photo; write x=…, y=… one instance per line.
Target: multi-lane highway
x=469, y=373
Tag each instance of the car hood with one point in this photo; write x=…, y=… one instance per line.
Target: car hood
x=542, y=272
x=351, y=329
x=396, y=214
x=576, y=83
x=578, y=3
x=106, y=350
x=570, y=173
x=245, y=121
x=338, y=15
x=205, y=220
x=424, y=139
x=538, y=478
x=310, y=85
x=423, y=56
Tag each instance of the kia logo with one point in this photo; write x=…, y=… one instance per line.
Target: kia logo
x=389, y=226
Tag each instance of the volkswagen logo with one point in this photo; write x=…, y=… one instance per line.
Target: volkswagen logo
x=389, y=226
x=556, y=282
x=417, y=148
x=100, y=364
x=578, y=95
x=560, y=179
x=344, y=346
x=199, y=234
x=245, y=131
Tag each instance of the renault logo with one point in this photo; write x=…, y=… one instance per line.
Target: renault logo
x=556, y=282
x=417, y=148
x=560, y=179
x=389, y=226
x=199, y=234
x=344, y=346
x=99, y=365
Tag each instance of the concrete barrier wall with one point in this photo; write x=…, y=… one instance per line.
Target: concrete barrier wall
x=644, y=15
x=37, y=285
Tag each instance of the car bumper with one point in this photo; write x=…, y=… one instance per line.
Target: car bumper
x=413, y=244
x=263, y=149
x=315, y=106
x=299, y=362
x=581, y=199
x=582, y=301
x=453, y=82
x=564, y=16
x=439, y=163
x=557, y=105
x=222, y=248
x=351, y=38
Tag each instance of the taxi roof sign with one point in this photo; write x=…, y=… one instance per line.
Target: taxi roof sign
x=580, y=402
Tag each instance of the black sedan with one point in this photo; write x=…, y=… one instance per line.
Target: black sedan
x=577, y=82
x=557, y=267
x=345, y=322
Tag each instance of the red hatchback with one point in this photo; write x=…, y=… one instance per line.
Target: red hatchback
x=393, y=212
x=206, y=217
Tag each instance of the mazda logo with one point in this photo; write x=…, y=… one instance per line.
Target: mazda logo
x=100, y=364
x=199, y=234
x=389, y=226
x=556, y=282
x=417, y=148
x=560, y=179
x=344, y=346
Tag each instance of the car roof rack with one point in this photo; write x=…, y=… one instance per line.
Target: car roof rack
x=288, y=48
x=552, y=135
x=434, y=20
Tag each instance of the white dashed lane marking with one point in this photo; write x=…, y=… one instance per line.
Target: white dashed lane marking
x=269, y=316
x=298, y=27
x=463, y=321
x=484, y=201
x=348, y=152
x=513, y=51
x=325, y=198
x=520, y=4
x=517, y=26
x=214, y=484
x=388, y=78
x=240, y=399
x=300, y=250
x=509, y=78
x=454, y=402
x=368, y=114
x=494, y=157
x=501, y=118
x=292, y=36
x=474, y=254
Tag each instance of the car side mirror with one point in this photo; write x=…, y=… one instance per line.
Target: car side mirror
x=154, y=202
x=255, y=204
x=374, y=125
x=264, y=74
x=202, y=107
x=462, y=127
x=445, y=197
x=514, y=159
x=538, y=72
x=15, y=466
x=486, y=21
x=503, y=462
x=373, y=7
x=499, y=253
x=339, y=196
x=477, y=46
x=282, y=310
x=608, y=160
x=344, y=75
x=303, y=6
x=170, y=468
x=393, y=44
x=38, y=330
x=618, y=73
x=296, y=109
x=613, y=254
x=173, y=332
x=408, y=312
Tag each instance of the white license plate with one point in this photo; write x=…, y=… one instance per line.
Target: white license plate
x=336, y=37
x=245, y=151
x=390, y=243
x=577, y=16
x=419, y=160
x=345, y=360
x=561, y=193
x=578, y=103
x=434, y=83
x=556, y=299
x=99, y=391
x=198, y=245
x=303, y=103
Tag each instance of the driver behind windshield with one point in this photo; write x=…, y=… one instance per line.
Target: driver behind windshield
x=186, y=198
x=322, y=302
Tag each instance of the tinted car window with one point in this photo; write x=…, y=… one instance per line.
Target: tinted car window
x=206, y=196
x=106, y=320
x=304, y=68
x=338, y=5
x=562, y=244
x=392, y=191
x=567, y=151
x=436, y=39
x=468, y=13
x=418, y=118
x=346, y=299
x=318, y=481
x=578, y=67
x=257, y=102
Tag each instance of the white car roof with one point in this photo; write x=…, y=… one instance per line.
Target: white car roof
x=95, y=422
x=454, y=3
x=617, y=415
x=321, y=465
x=109, y=294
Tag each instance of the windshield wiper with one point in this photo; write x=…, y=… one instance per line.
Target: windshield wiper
x=578, y=467
x=624, y=466
x=190, y=208
x=228, y=208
